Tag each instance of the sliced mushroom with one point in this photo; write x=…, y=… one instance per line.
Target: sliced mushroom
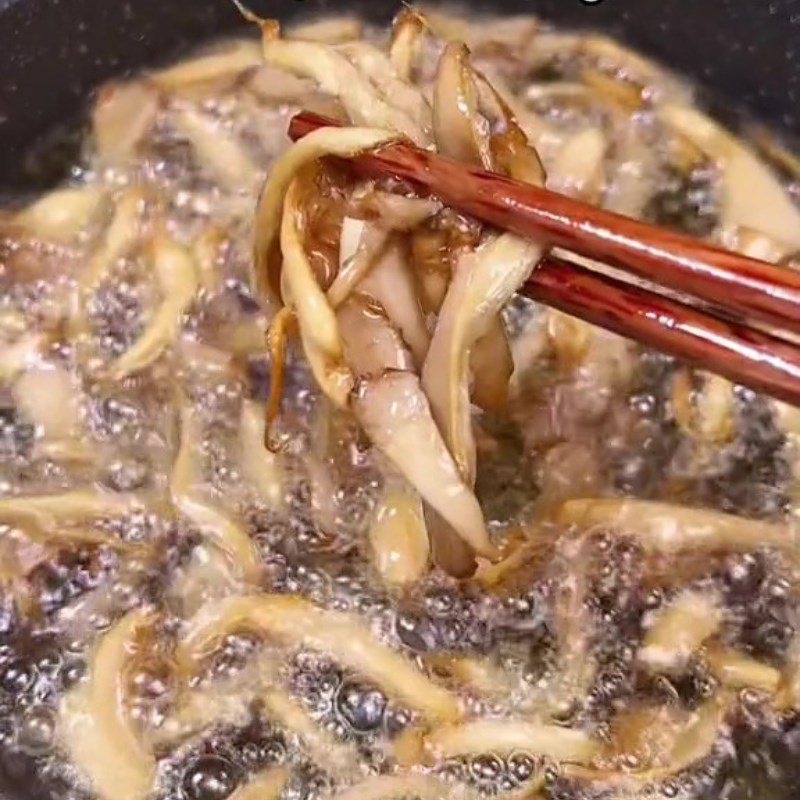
x=397, y=417
x=97, y=730
x=483, y=283
x=122, y=116
x=752, y=195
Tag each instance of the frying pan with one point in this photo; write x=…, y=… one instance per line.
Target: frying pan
x=744, y=55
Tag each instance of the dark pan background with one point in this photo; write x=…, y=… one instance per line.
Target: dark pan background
x=53, y=53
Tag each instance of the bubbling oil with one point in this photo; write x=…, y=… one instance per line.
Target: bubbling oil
x=574, y=429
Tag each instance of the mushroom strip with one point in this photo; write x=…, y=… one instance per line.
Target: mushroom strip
x=398, y=534
x=397, y=417
x=478, y=673
x=738, y=671
x=707, y=414
x=407, y=31
x=694, y=743
x=455, y=110
x=337, y=76
x=300, y=288
x=216, y=150
x=282, y=325
x=295, y=621
x=361, y=243
x=578, y=168
x=391, y=283
x=230, y=702
x=262, y=468
x=678, y=631
x=462, y=133
x=225, y=701
x=505, y=736
x=119, y=238
x=491, y=366
x=752, y=196
x=331, y=31
x=222, y=531
x=328, y=141
x=400, y=93
x=319, y=331
x=48, y=511
x=789, y=693
x=399, y=537
x=178, y=282
x=667, y=528
x=123, y=115
x=325, y=747
x=60, y=215
x=483, y=283
x=371, y=343
x=97, y=731
x=226, y=63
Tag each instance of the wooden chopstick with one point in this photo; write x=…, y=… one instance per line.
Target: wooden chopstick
x=735, y=350
x=750, y=288
x=742, y=354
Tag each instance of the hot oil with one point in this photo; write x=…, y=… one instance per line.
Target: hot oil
x=611, y=411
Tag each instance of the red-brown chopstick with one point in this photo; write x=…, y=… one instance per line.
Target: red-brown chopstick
x=738, y=352
x=750, y=288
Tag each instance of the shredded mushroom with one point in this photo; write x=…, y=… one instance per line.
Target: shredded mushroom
x=341, y=758
x=455, y=109
x=60, y=215
x=752, y=195
x=739, y=671
x=96, y=729
x=318, y=328
x=397, y=417
x=259, y=466
x=483, y=283
x=45, y=512
x=315, y=315
x=402, y=94
x=391, y=283
x=399, y=537
x=508, y=736
x=678, y=631
x=216, y=150
x=178, y=283
x=227, y=63
x=294, y=621
x=118, y=240
x=122, y=117
x=337, y=76
x=408, y=29
x=223, y=532
x=666, y=528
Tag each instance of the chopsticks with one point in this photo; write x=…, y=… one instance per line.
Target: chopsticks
x=742, y=354
x=738, y=289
